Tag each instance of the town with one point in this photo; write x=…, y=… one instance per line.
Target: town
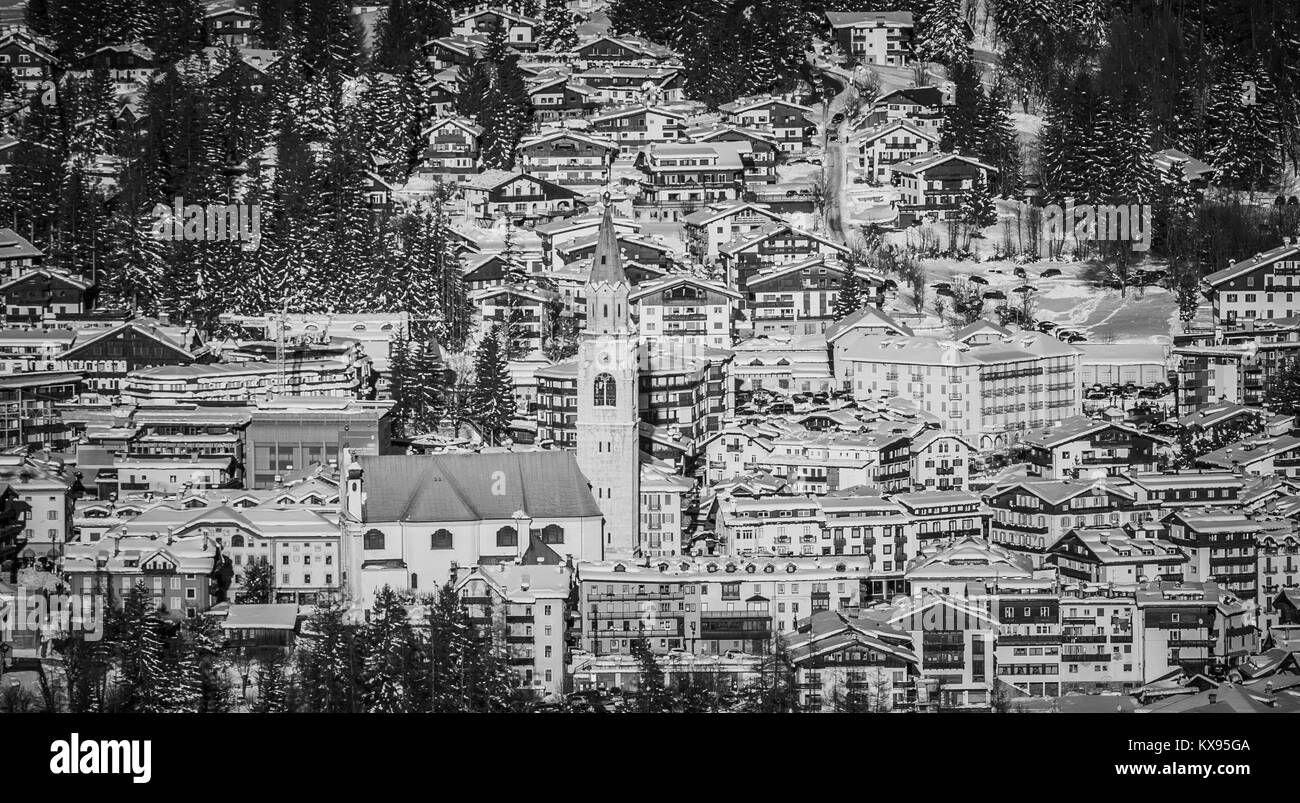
x=863, y=356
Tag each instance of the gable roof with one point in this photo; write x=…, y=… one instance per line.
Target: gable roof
x=867, y=316
x=459, y=487
x=927, y=161
x=49, y=273
x=873, y=134
x=140, y=326
x=845, y=19
x=1247, y=265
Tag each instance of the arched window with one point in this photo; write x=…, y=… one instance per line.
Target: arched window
x=604, y=391
x=373, y=540
x=507, y=536
x=441, y=539
x=236, y=540
x=552, y=534
x=415, y=581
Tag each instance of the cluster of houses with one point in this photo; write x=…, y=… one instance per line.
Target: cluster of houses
x=926, y=521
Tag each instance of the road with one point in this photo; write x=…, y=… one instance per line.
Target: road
x=834, y=161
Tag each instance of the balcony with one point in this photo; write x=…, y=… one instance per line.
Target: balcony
x=1191, y=642
x=1020, y=641
x=1087, y=657
x=1080, y=638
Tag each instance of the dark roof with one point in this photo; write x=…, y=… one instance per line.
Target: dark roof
x=460, y=487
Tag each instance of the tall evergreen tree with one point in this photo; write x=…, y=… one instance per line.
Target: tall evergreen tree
x=493, y=396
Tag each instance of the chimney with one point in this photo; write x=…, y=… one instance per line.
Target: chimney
x=1214, y=697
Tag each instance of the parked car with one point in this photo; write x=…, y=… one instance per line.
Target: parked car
x=1050, y=272
x=1097, y=395
x=1025, y=288
x=941, y=286
x=1076, y=338
x=1046, y=326
x=978, y=280
x=944, y=291
x=996, y=294
x=1020, y=272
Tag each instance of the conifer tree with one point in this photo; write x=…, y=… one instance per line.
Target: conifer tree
x=849, y=300
x=143, y=673
x=493, y=396
x=389, y=648
x=977, y=208
x=272, y=694
x=557, y=30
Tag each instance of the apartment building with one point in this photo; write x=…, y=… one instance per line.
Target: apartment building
x=44, y=492
x=299, y=544
x=1221, y=546
x=1116, y=555
x=879, y=148
x=678, y=177
x=1192, y=626
x=635, y=126
x=663, y=510
x=851, y=661
x=1078, y=444
x=940, y=461
x=1278, y=562
x=989, y=393
x=874, y=37
x=689, y=311
x=1032, y=515
x=568, y=158
x=1195, y=488
x=1266, y=285
x=185, y=576
x=709, y=605
x=774, y=245
x=524, y=604
x=714, y=225
x=787, y=121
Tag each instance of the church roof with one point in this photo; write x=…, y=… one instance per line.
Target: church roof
x=474, y=487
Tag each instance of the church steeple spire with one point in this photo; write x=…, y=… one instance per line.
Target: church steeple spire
x=607, y=286
x=606, y=263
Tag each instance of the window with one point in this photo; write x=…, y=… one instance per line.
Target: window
x=373, y=539
x=236, y=541
x=441, y=539
x=507, y=536
x=603, y=389
x=552, y=534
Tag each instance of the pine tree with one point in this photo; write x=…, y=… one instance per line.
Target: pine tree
x=143, y=673
x=652, y=696
x=941, y=33
x=849, y=300
x=977, y=207
x=557, y=30
x=256, y=583
x=406, y=27
x=493, y=396
x=272, y=694
x=961, y=126
x=388, y=645
x=997, y=141
x=329, y=667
